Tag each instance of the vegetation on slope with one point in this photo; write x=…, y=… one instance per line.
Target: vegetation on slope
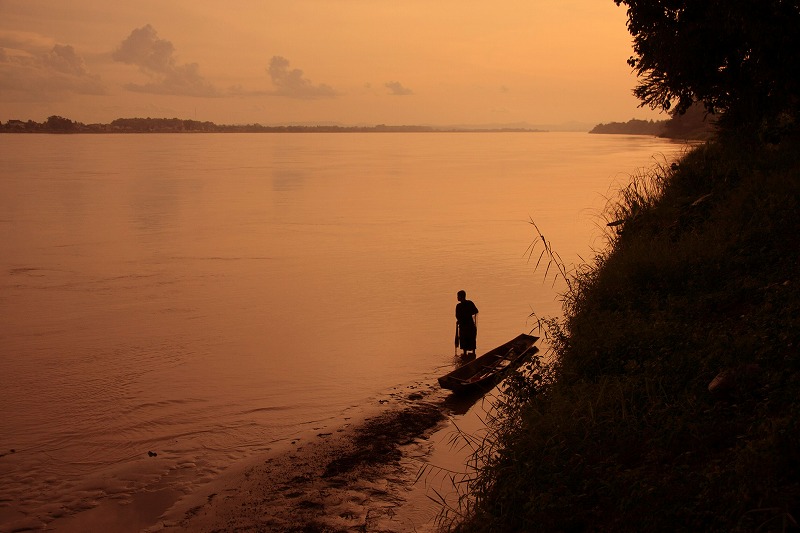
x=671, y=402
x=624, y=431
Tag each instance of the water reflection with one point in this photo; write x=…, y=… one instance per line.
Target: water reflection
x=459, y=404
x=155, y=203
x=287, y=179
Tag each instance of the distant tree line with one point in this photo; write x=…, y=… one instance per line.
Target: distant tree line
x=695, y=123
x=57, y=124
x=632, y=127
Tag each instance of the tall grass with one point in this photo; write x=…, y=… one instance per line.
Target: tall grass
x=619, y=430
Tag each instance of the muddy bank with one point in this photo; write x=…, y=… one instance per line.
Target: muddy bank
x=351, y=479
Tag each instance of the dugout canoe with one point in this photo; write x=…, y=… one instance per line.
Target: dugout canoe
x=490, y=368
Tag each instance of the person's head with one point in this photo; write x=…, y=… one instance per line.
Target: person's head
x=462, y=295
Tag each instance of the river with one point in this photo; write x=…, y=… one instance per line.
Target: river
x=206, y=297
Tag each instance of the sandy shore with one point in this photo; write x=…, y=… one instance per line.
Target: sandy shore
x=358, y=478
x=375, y=472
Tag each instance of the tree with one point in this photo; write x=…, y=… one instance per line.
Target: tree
x=739, y=58
x=59, y=124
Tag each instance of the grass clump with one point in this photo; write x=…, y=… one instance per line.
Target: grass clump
x=624, y=430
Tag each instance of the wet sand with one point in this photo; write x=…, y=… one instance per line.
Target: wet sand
x=370, y=474
x=357, y=478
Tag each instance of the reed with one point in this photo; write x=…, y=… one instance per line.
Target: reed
x=616, y=429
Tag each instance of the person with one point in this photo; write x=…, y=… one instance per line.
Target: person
x=466, y=324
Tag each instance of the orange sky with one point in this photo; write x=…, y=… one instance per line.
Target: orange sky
x=442, y=62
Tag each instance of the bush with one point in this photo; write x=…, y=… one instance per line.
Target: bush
x=620, y=432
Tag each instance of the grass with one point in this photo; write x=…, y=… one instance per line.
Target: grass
x=620, y=432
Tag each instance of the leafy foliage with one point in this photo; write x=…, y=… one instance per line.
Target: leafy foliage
x=739, y=58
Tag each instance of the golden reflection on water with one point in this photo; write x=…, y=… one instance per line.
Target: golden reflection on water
x=207, y=295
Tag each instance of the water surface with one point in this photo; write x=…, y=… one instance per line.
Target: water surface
x=208, y=296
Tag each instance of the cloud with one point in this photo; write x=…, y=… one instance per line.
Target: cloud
x=396, y=88
x=25, y=40
x=32, y=68
x=64, y=59
x=292, y=84
x=155, y=57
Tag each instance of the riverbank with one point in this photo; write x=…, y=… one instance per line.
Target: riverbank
x=380, y=470
x=350, y=480
x=372, y=474
x=672, y=404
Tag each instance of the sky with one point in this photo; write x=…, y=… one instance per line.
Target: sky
x=349, y=62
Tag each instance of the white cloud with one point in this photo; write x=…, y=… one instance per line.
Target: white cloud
x=292, y=84
x=156, y=58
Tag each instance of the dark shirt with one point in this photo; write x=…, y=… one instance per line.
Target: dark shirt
x=464, y=312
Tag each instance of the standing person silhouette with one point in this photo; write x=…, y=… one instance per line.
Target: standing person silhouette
x=466, y=324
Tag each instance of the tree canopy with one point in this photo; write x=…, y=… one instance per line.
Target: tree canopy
x=739, y=58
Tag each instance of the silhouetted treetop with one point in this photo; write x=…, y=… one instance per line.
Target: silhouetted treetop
x=737, y=57
x=56, y=123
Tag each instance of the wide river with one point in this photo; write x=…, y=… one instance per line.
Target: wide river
x=206, y=297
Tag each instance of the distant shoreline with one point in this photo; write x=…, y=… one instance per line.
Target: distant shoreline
x=60, y=125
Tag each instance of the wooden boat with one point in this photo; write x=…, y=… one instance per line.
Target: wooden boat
x=489, y=369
